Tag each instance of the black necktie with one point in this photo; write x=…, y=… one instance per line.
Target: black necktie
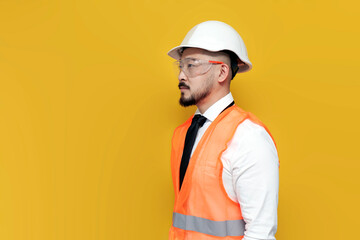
x=197, y=122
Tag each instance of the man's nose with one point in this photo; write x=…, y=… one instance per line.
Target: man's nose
x=182, y=76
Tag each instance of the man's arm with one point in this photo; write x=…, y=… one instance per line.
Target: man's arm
x=254, y=166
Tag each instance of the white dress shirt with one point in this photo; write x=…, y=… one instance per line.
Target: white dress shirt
x=250, y=174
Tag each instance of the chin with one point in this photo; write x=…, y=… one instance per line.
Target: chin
x=185, y=102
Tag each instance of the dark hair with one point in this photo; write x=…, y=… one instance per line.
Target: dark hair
x=233, y=62
x=181, y=50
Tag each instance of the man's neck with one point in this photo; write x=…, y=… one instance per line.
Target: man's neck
x=209, y=101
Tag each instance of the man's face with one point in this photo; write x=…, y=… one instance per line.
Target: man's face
x=197, y=88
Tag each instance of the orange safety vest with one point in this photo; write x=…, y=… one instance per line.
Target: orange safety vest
x=203, y=210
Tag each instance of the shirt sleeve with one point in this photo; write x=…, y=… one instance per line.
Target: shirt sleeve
x=253, y=163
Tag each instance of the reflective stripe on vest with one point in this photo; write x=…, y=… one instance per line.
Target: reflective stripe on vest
x=215, y=228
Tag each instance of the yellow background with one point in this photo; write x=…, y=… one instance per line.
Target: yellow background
x=89, y=101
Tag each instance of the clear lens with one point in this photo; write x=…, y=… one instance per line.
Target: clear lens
x=192, y=67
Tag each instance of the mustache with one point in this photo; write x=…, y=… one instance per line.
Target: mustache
x=183, y=85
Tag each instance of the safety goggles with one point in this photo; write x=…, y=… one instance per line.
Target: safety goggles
x=193, y=67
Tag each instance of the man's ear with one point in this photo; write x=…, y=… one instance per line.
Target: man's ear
x=224, y=73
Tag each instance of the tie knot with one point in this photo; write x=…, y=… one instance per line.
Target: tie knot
x=198, y=119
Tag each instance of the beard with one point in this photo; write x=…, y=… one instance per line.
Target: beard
x=192, y=100
x=197, y=96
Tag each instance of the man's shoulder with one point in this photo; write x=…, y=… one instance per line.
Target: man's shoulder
x=249, y=133
x=250, y=127
x=251, y=122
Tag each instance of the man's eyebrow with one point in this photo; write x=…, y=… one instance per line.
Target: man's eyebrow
x=189, y=58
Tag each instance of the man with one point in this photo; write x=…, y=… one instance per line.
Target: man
x=224, y=161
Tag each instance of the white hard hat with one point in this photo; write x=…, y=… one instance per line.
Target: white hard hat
x=214, y=36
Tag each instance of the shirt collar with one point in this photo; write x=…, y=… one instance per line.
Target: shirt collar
x=214, y=110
